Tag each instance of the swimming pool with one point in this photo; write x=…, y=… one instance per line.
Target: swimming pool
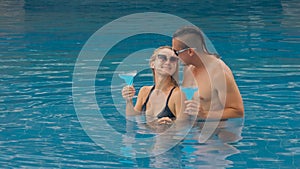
x=41, y=40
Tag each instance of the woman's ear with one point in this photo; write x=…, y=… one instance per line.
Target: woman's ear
x=152, y=65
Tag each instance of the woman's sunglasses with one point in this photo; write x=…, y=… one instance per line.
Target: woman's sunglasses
x=164, y=58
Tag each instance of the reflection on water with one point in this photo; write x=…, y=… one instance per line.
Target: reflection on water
x=189, y=152
x=215, y=151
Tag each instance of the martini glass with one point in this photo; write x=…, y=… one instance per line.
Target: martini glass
x=128, y=77
x=189, y=93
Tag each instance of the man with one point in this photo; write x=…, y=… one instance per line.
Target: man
x=219, y=94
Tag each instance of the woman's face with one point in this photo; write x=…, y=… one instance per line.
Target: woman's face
x=166, y=62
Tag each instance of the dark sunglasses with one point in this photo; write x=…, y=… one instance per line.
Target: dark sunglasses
x=164, y=58
x=177, y=52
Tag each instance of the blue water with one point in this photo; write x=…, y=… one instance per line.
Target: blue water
x=40, y=42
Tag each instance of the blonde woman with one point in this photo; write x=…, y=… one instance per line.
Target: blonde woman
x=161, y=101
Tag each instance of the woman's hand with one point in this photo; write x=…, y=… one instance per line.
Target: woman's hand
x=165, y=120
x=128, y=92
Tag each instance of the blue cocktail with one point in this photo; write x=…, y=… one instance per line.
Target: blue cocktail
x=128, y=77
x=189, y=91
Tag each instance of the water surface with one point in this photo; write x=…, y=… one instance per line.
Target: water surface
x=40, y=42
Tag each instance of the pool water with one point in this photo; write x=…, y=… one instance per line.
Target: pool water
x=40, y=42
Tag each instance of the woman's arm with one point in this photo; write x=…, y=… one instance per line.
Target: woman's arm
x=128, y=93
x=177, y=101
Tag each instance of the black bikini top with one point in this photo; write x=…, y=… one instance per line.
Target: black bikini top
x=166, y=112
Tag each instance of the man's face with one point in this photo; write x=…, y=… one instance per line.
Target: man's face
x=180, y=52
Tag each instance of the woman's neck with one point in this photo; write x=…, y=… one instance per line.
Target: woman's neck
x=163, y=83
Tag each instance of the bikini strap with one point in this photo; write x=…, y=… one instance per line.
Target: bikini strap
x=149, y=95
x=170, y=95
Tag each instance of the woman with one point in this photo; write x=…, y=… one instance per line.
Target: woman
x=163, y=100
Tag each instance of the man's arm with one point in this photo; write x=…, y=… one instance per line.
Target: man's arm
x=230, y=97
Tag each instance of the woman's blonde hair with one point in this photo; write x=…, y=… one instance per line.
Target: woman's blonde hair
x=175, y=76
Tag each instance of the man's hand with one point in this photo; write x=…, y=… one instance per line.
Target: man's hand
x=193, y=107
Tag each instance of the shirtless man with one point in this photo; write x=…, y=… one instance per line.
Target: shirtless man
x=219, y=96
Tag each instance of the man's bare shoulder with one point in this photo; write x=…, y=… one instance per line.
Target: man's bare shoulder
x=225, y=68
x=221, y=73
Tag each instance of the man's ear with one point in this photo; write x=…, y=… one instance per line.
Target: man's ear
x=191, y=51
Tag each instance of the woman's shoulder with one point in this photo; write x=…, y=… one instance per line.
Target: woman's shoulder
x=145, y=89
x=177, y=92
x=177, y=89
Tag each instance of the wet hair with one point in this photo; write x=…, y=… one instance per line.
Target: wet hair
x=175, y=76
x=192, y=37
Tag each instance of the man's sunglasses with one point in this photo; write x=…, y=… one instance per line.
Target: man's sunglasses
x=164, y=58
x=177, y=52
